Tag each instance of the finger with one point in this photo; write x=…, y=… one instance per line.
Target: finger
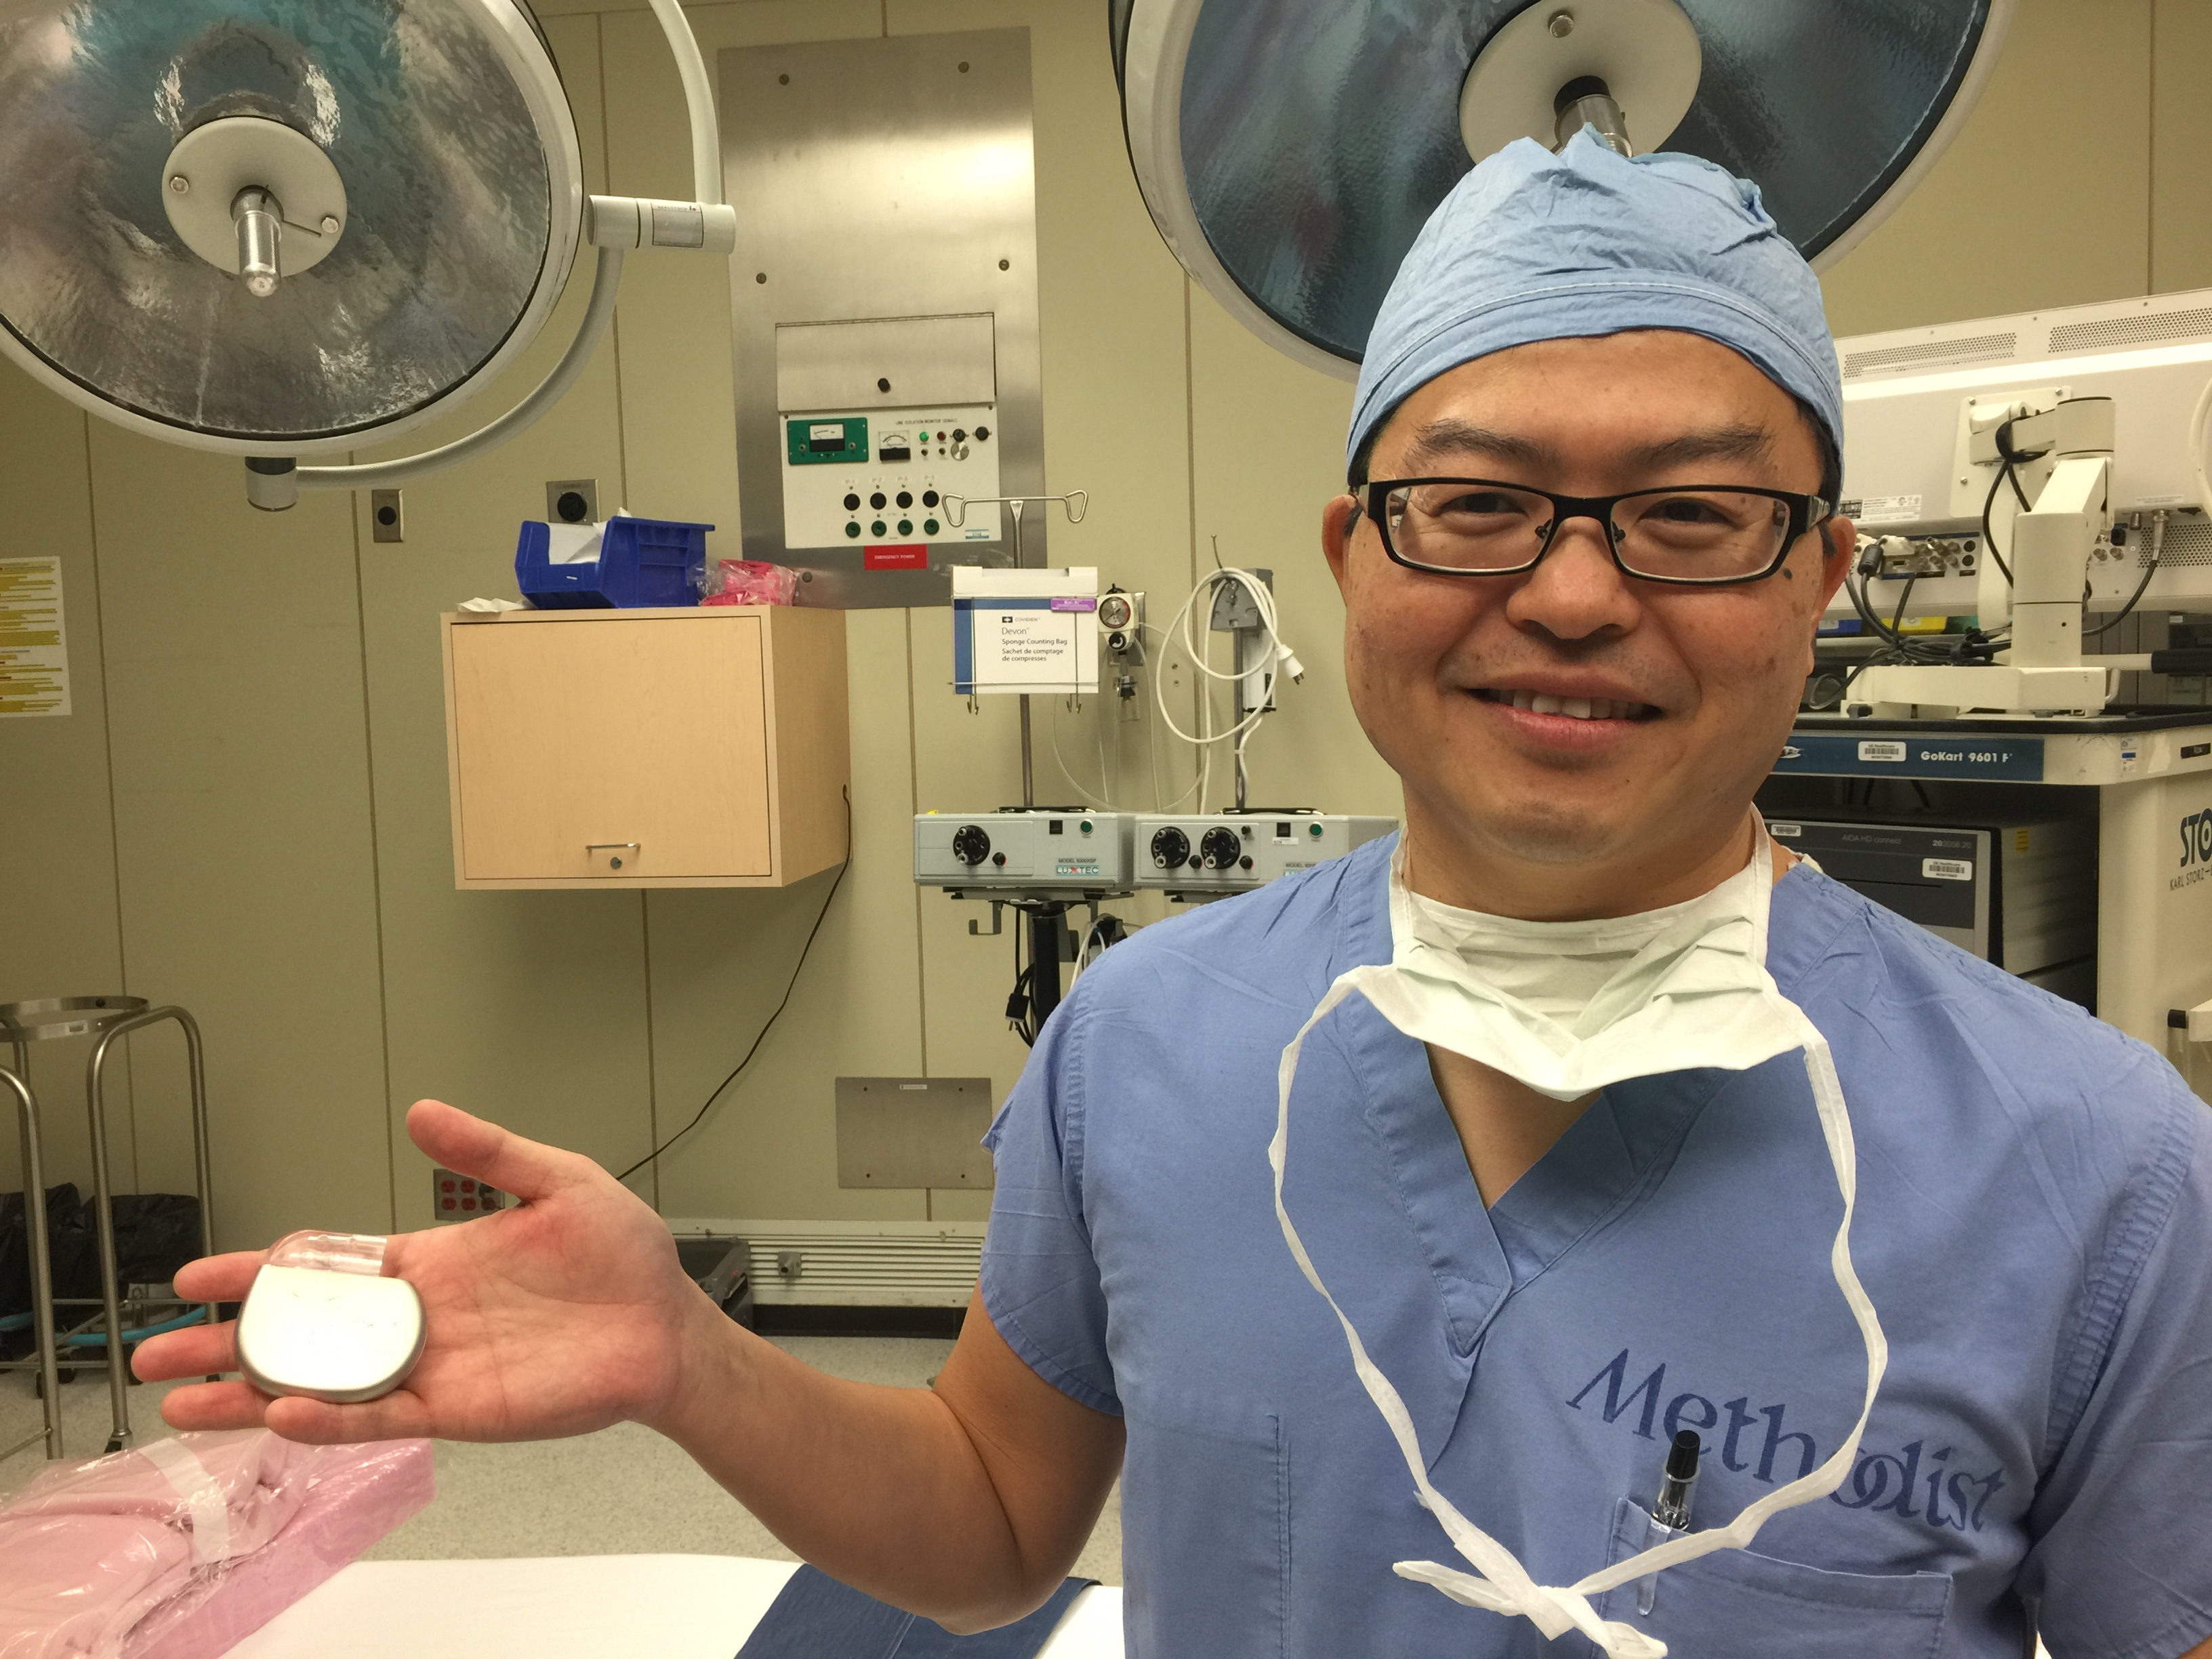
x=398, y=1416
x=219, y=1278
x=197, y=1351
x=469, y=1146
x=229, y=1405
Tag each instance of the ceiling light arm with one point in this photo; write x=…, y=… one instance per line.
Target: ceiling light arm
x=698, y=99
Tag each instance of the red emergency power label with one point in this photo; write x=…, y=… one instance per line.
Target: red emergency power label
x=914, y=557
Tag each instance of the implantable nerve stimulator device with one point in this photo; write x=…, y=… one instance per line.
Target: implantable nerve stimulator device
x=321, y=1320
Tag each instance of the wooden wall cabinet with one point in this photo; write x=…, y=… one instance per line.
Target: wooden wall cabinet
x=701, y=747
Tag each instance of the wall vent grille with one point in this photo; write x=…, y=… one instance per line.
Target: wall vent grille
x=1932, y=354
x=2140, y=330
x=843, y=1264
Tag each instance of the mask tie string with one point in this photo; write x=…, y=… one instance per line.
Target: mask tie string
x=1500, y=1583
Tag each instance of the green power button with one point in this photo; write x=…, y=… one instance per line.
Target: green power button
x=1314, y=830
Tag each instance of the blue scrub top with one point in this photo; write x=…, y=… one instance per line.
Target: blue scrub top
x=2034, y=1227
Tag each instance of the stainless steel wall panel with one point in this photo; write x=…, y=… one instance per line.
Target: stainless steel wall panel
x=888, y=182
x=893, y=364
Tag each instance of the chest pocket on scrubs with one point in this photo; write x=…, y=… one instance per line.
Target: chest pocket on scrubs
x=1735, y=1604
x=1209, y=1573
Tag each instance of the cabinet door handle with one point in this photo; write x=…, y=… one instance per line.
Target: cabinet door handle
x=613, y=849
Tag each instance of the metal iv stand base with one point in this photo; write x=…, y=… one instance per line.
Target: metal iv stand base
x=107, y=1018
x=42, y=1276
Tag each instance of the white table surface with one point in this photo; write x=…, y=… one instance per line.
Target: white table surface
x=588, y=1607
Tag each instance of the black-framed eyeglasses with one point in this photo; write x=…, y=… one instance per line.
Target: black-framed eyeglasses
x=1694, y=535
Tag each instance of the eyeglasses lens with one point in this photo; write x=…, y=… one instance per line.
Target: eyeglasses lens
x=1679, y=535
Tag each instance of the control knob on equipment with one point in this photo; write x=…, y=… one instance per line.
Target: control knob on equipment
x=1219, y=847
x=971, y=843
x=1171, y=847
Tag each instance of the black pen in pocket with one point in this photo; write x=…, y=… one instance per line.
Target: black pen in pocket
x=1670, y=1516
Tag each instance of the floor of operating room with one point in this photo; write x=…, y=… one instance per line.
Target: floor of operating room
x=622, y=1491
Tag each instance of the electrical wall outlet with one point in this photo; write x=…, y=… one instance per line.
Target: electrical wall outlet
x=572, y=500
x=455, y=1197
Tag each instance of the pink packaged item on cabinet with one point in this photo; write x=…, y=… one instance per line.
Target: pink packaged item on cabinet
x=178, y=1549
x=751, y=581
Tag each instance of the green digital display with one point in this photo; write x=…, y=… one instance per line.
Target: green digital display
x=844, y=440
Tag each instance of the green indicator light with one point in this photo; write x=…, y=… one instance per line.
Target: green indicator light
x=906, y=526
x=853, y=529
x=877, y=528
x=1086, y=826
x=1314, y=830
x=930, y=526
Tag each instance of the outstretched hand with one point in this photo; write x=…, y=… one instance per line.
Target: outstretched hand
x=555, y=1317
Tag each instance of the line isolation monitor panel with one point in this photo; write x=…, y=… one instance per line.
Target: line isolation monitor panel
x=884, y=309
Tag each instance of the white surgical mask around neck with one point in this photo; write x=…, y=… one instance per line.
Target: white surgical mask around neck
x=1576, y=975
x=1568, y=1008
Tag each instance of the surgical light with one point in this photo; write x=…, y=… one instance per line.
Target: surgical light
x=1289, y=152
x=291, y=228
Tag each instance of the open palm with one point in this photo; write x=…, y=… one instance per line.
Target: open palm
x=558, y=1316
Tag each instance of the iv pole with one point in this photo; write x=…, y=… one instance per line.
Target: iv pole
x=1047, y=917
x=1075, y=504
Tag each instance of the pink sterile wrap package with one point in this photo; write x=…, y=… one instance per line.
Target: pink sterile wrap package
x=178, y=1549
x=750, y=582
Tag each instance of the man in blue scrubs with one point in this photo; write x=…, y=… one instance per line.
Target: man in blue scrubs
x=1554, y=1287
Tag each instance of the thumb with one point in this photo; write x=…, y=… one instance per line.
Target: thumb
x=470, y=1146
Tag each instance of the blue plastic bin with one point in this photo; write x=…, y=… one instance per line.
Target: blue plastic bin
x=642, y=561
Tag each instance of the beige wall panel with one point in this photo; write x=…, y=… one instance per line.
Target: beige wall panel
x=528, y=1008
x=58, y=930
x=2181, y=146
x=242, y=829
x=720, y=961
x=2043, y=199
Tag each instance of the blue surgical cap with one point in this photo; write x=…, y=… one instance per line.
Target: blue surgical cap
x=1533, y=246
